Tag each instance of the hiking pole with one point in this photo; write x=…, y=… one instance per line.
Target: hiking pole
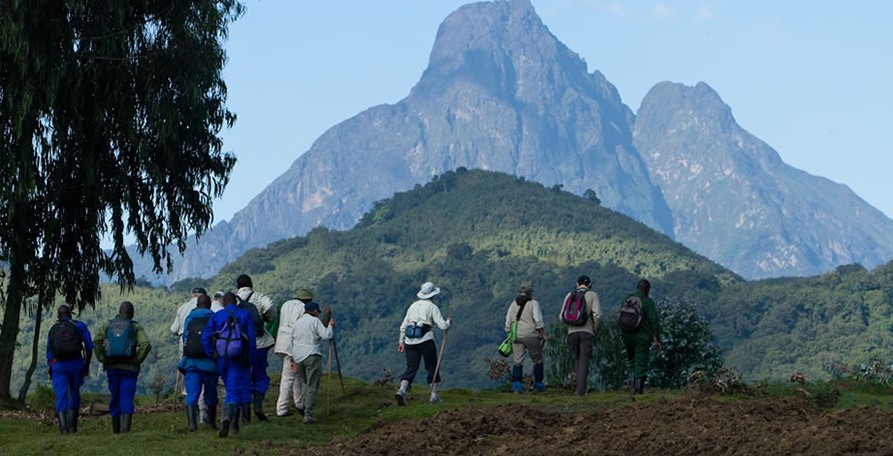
x=335, y=349
x=329, y=381
x=439, y=357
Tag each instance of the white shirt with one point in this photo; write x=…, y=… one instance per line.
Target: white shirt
x=216, y=306
x=306, y=335
x=289, y=313
x=182, y=312
x=426, y=312
x=265, y=308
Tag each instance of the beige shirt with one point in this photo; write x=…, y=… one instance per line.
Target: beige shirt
x=289, y=313
x=265, y=308
x=531, y=319
x=595, y=313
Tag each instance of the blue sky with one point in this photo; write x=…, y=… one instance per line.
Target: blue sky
x=811, y=79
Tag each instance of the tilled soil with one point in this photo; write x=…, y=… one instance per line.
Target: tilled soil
x=691, y=425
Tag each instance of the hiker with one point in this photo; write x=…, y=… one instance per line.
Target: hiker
x=121, y=345
x=306, y=354
x=229, y=340
x=69, y=352
x=638, y=342
x=580, y=337
x=419, y=343
x=290, y=383
x=530, y=336
x=183, y=311
x=199, y=369
x=264, y=311
x=217, y=301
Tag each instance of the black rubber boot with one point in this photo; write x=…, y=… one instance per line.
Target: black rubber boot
x=259, y=407
x=63, y=422
x=191, y=412
x=126, y=421
x=212, y=416
x=234, y=423
x=73, y=420
x=246, y=413
x=116, y=424
x=224, y=425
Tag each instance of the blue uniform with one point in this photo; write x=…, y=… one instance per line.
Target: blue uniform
x=68, y=375
x=236, y=374
x=200, y=372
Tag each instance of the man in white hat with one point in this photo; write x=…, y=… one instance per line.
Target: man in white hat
x=417, y=340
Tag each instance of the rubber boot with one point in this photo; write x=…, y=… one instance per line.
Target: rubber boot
x=73, y=420
x=191, y=411
x=538, y=374
x=126, y=421
x=234, y=423
x=116, y=424
x=640, y=385
x=517, y=376
x=259, y=407
x=212, y=416
x=227, y=418
x=246, y=413
x=63, y=422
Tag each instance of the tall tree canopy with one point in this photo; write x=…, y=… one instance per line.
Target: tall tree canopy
x=110, y=113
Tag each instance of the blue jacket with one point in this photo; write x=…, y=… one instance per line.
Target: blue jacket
x=189, y=364
x=218, y=321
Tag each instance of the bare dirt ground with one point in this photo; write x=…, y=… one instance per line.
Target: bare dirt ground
x=691, y=425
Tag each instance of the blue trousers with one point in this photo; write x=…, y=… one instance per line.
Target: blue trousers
x=237, y=379
x=68, y=376
x=122, y=385
x=260, y=381
x=195, y=381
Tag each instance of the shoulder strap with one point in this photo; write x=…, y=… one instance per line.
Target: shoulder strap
x=520, y=310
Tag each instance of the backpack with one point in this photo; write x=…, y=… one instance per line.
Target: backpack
x=574, y=312
x=120, y=340
x=194, y=330
x=415, y=330
x=230, y=341
x=65, y=340
x=630, y=319
x=256, y=319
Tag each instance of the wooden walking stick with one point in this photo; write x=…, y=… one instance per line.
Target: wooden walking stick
x=329, y=380
x=439, y=357
x=335, y=349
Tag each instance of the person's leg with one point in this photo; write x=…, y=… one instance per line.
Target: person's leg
x=260, y=380
x=640, y=366
x=115, y=399
x=413, y=359
x=519, y=354
x=312, y=372
x=534, y=346
x=209, y=398
x=429, y=354
x=128, y=392
x=286, y=385
x=583, y=344
x=61, y=386
x=298, y=392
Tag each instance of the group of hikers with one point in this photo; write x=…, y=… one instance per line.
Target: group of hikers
x=224, y=344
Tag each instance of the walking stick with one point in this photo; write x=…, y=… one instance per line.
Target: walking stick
x=335, y=349
x=329, y=381
x=439, y=357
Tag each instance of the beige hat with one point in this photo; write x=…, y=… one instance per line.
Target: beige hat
x=304, y=293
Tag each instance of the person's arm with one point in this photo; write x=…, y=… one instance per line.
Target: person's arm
x=442, y=323
x=325, y=332
x=99, y=344
x=207, y=336
x=248, y=327
x=87, y=340
x=268, y=309
x=596, y=310
x=538, y=322
x=143, y=346
x=403, y=326
x=655, y=325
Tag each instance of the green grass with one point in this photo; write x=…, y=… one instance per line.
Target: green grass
x=342, y=415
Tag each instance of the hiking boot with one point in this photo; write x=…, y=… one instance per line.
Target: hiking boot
x=116, y=424
x=126, y=420
x=310, y=420
x=288, y=413
x=435, y=400
x=259, y=407
x=300, y=411
x=190, y=417
x=401, y=398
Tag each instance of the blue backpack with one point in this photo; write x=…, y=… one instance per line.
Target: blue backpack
x=120, y=340
x=230, y=341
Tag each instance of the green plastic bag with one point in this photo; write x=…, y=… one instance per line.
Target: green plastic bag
x=505, y=348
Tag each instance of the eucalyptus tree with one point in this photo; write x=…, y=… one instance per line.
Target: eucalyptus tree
x=110, y=115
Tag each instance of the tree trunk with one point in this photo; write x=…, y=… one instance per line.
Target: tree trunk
x=10, y=330
x=26, y=385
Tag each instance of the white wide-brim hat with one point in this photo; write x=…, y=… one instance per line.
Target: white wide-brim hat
x=428, y=290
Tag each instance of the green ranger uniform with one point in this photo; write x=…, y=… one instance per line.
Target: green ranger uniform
x=638, y=344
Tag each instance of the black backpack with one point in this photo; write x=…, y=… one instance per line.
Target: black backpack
x=630, y=318
x=574, y=311
x=65, y=340
x=194, y=330
x=256, y=319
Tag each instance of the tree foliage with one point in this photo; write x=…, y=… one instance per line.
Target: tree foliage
x=110, y=114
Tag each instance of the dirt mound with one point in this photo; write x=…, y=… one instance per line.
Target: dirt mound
x=689, y=425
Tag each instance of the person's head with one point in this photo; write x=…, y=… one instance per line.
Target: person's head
x=125, y=309
x=229, y=298
x=584, y=281
x=304, y=295
x=204, y=302
x=525, y=293
x=63, y=312
x=427, y=291
x=644, y=286
x=244, y=281
x=312, y=308
x=198, y=291
x=218, y=296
